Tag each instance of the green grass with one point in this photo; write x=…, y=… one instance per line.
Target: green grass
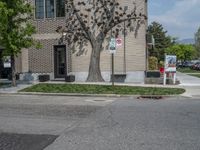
x=195, y=75
x=187, y=70
x=102, y=89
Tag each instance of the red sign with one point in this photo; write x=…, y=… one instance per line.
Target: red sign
x=118, y=42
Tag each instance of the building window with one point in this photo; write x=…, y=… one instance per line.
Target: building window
x=49, y=8
x=39, y=9
x=60, y=8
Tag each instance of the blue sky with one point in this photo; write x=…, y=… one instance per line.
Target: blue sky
x=181, y=18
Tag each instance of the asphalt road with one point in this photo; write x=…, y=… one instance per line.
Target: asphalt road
x=91, y=123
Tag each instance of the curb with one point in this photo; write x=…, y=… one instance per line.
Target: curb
x=92, y=95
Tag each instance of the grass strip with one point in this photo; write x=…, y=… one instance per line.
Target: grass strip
x=102, y=89
x=195, y=75
x=187, y=70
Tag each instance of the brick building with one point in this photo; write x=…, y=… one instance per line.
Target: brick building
x=57, y=60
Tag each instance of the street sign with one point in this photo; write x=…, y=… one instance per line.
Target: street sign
x=118, y=42
x=112, y=45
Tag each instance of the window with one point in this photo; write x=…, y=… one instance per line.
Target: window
x=39, y=9
x=60, y=8
x=49, y=8
x=49, y=5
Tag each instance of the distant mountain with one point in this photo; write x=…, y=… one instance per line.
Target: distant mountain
x=186, y=41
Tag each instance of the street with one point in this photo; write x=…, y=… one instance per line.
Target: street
x=99, y=123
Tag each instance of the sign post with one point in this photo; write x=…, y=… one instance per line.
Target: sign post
x=170, y=67
x=112, y=47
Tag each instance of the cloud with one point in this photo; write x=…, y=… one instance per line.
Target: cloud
x=182, y=19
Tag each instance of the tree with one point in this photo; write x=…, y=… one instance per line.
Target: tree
x=182, y=51
x=197, y=41
x=94, y=21
x=1, y=62
x=162, y=41
x=15, y=30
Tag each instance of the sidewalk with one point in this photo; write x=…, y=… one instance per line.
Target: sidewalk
x=187, y=80
x=8, y=89
x=190, y=83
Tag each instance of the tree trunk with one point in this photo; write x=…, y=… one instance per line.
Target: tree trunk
x=1, y=64
x=13, y=70
x=94, y=68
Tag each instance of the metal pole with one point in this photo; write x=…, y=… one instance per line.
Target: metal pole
x=112, y=69
x=124, y=48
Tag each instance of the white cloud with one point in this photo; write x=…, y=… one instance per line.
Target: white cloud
x=182, y=19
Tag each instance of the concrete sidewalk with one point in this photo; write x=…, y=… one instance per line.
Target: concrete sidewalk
x=6, y=89
x=187, y=80
x=190, y=83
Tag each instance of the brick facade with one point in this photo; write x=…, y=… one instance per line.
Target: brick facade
x=131, y=62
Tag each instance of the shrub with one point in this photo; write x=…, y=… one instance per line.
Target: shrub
x=153, y=63
x=161, y=64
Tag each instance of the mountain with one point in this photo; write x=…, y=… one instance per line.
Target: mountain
x=186, y=41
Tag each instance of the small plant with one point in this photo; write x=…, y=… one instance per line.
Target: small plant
x=161, y=64
x=153, y=63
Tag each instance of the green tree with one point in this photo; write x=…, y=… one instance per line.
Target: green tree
x=182, y=51
x=197, y=42
x=15, y=29
x=93, y=21
x=162, y=41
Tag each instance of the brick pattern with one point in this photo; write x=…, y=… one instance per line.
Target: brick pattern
x=42, y=60
x=135, y=51
x=46, y=25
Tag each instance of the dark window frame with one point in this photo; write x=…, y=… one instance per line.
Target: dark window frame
x=49, y=9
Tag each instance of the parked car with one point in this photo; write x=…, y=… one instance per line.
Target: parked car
x=195, y=66
x=185, y=64
x=198, y=67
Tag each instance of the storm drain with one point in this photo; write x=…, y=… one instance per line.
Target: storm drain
x=99, y=100
x=150, y=97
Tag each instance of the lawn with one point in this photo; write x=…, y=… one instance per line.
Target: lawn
x=195, y=75
x=102, y=89
x=187, y=70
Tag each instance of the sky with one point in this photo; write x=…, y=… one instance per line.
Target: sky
x=181, y=18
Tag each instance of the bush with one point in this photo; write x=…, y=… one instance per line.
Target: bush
x=153, y=63
x=161, y=64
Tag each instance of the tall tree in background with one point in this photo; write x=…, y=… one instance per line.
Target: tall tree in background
x=197, y=42
x=182, y=51
x=15, y=31
x=162, y=41
x=93, y=21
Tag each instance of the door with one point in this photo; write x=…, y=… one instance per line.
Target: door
x=60, y=61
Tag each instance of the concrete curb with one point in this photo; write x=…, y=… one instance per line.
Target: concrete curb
x=91, y=95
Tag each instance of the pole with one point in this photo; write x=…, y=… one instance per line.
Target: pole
x=165, y=75
x=112, y=57
x=124, y=48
